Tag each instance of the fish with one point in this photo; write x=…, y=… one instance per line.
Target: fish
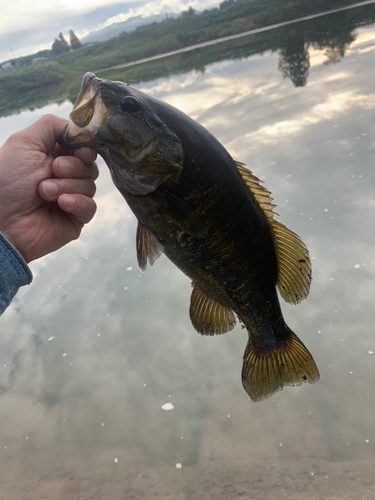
x=211, y=216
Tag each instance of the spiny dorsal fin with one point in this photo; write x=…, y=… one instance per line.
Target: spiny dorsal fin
x=148, y=248
x=293, y=261
x=266, y=371
x=207, y=316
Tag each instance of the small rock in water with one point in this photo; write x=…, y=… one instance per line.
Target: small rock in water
x=167, y=407
x=178, y=466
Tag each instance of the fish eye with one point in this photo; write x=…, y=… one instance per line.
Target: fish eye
x=130, y=104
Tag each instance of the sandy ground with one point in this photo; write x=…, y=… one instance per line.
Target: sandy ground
x=238, y=458
x=256, y=481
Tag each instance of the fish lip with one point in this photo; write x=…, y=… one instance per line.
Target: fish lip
x=89, y=95
x=89, y=81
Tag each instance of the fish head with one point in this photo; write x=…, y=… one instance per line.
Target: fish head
x=123, y=125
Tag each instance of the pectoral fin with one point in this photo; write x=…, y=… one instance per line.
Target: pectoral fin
x=184, y=216
x=207, y=316
x=293, y=261
x=148, y=248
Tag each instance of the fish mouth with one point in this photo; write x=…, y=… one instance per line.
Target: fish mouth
x=84, y=106
x=86, y=116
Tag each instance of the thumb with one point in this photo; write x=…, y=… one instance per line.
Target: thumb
x=43, y=134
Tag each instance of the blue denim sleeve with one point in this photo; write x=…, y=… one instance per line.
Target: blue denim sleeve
x=14, y=272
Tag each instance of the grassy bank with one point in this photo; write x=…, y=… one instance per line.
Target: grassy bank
x=36, y=85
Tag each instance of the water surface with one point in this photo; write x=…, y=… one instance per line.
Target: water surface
x=92, y=350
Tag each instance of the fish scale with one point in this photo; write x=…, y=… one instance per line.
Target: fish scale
x=210, y=216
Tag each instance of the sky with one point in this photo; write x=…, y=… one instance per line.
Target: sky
x=41, y=21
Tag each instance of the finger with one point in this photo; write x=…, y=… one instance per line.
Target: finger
x=45, y=132
x=51, y=189
x=87, y=155
x=73, y=167
x=81, y=207
x=59, y=150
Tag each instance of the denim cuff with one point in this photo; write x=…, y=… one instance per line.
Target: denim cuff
x=14, y=272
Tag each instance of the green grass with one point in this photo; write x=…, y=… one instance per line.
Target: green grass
x=59, y=77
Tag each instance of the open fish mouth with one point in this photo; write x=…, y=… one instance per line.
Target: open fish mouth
x=84, y=106
x=138, y=147
x=86, y=117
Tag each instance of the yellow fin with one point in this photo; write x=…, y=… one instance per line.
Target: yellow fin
x=148, y=248
x=293, y=261
x=207, y=316
x=266, y=371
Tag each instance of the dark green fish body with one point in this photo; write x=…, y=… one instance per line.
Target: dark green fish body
x=236, y=252
x=210, y=216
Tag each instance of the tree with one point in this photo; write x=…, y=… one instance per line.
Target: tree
x=226, y=4
x=294, y=61
x=189, y=12
x=74, y=40
x=59, y=46
x=336, y=46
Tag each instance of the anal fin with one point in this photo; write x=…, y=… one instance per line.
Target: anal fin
x=208, y=316
x=267, y=370
x=148, y=247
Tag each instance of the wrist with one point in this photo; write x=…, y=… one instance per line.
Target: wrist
x=9, y=237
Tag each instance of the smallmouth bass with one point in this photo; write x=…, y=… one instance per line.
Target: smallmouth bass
x=210, y=216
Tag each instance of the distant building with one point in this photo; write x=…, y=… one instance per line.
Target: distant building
x=37, y=59
x=7, y=65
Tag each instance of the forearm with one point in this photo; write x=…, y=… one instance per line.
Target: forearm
x=14, y=273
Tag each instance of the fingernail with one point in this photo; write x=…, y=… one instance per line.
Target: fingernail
x=50, y=188
x=69, y=201
x=66, y=166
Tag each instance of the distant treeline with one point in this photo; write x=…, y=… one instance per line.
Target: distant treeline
x=333, y=34
x=21, y=88
x=59, y=46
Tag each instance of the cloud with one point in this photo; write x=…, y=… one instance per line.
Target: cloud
x=128, y=338
x=160, y=7
x=40, y=22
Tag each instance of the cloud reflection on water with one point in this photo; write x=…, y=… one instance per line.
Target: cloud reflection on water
x=128, y=341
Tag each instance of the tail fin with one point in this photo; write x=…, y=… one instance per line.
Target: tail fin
x=266, y=370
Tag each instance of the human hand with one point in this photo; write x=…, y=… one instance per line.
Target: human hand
x=45, y=193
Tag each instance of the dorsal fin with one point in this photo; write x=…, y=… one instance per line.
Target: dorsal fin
x=293, y=261
x=208, y=317
x=148, y=248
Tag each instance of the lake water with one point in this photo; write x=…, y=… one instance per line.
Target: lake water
x=92, y=350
